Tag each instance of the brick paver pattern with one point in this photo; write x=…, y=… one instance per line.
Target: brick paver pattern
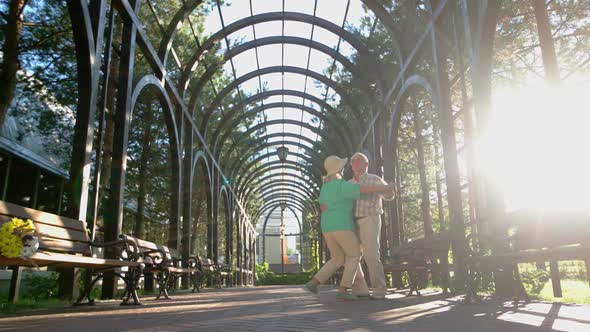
x=290, y=308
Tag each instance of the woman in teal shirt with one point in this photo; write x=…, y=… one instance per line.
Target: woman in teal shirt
x=338, y=228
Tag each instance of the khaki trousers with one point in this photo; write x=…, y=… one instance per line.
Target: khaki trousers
x=369, y=230
x=344, y=250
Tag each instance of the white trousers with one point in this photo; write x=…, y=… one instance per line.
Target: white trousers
x=344, y=250
x=369, y=230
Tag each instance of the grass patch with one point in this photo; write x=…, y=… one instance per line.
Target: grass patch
x=29, y=304
x=574, y=291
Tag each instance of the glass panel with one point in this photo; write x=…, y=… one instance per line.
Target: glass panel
x=21, y=183
x=245, y=62
x=266, y=6
x=332, y=10
x=3, y=167
x=297, y=29
x=49, y=189
x=235, y=11
x=296, y=55
x=300, y=6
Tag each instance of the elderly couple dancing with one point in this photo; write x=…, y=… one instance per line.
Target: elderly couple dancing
x=351, y=211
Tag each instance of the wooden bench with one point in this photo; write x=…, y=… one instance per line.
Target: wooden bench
x=64, y=243
x=419, y=257
x=534, y=237
x=218, y=272
x=166, y=265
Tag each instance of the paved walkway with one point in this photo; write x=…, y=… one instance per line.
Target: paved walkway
x=289, y=308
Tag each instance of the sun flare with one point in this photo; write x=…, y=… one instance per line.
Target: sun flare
x=536, y=149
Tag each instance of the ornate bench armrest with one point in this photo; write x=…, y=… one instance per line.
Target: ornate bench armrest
x=125, y=249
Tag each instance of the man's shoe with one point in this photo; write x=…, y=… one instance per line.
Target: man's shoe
x=346, y=297
x=361, y=295
x=311, y=287
x=377, y=297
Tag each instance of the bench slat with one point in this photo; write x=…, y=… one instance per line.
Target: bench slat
x=147, y=247
x=13, y=210
x=55, y=259
x=50, y=244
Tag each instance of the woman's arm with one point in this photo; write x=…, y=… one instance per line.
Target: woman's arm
x=381, y=189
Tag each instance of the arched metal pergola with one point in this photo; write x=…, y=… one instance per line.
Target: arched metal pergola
x=343, y=127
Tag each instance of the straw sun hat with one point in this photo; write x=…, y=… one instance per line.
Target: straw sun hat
x=334, y=164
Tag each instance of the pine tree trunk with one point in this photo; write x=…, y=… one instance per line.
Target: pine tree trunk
x=10, y=64
x=196, y=217
x=546, y=41
x=425, y=199
x=109, y=131
x=398, y=190
x=439, y=196
x=549, y=57
x=143, y=164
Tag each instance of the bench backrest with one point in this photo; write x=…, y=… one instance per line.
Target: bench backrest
x=207, y=264
x=56, y=233
x=432, y=247
x=154, y=249
x=536, y=229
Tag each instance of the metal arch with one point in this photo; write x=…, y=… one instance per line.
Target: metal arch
x=309, y=182
x=253, y=185
x=263, y=71
x=259, y=147
x=295, y=202
x=246, y=187
x=414, y=80
x=272, y=203
x=269, y=205
x=249, y=169
x=336, y=123
x=282, y=195
x=166, y=43
x=230, y=54
x=265, y=94
x=304, y=203
x=308, y=206
x=128, y=14
x=152, y=81
x=269, y=209
x=353, y=68
x=313, y=129
x=224, y=197
x=200, y=155
x=268, y=17
x=195, y=162
x=204, y=79
x=272, y=210
x=274, y=165
x=253, y=189
x=87, y=45
x=286, y=182
x=255, y=146
x=277, y=165
x=287, y=185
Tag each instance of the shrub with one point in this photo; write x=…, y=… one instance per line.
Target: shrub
x=534, y=280
x=266, y=277
x=40, y=286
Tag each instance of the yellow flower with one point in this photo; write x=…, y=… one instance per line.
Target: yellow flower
x=11, y=234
